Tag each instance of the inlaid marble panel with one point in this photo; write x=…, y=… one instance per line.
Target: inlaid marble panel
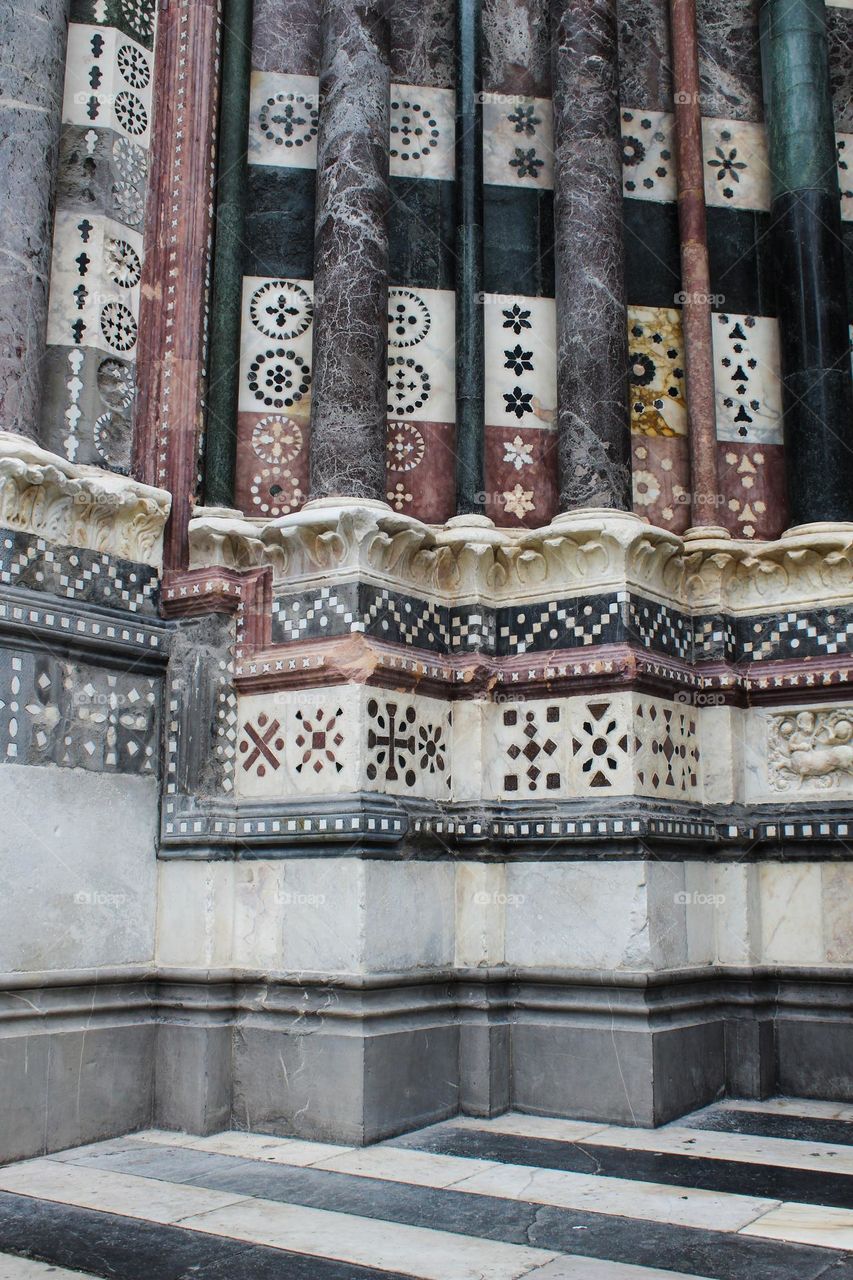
x=87, y=406
x=422, y=132
x=803, y=752
x=520, y=354
x=271, y=474
x=275, y=345
x=421, y=469
x=284, y=115
x=844, y=142
x=521, y=476
x=656, y=372
x=299, y=743
x=95, y=275
x=108, y=82
x=748, y=384
x=736, y=172
x=421, y=355
x=752, y=484
x=648, y=154
x=518, y=141
x=660, y=476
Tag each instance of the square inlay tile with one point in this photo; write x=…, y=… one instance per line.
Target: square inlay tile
x=284, y=115
x=407, y=743
x=95, y=273
x=656, y=372
x=299, y=742
x=601, y=746
x=521, y=365
x=667, y=749
x=526, y=750
x=748, y=384
x=752, y=482
x=108, y=82
x=736, y=171
x=87, y=406
x=423, y=132
x=518, y=141
x=275, y=345
x=648, y=154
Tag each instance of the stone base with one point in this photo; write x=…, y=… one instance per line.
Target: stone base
x=357, y=1061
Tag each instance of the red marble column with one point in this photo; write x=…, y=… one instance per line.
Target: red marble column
x=695, y=275
x=173, y=310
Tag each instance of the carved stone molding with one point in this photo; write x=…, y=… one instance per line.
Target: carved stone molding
x=45, y=495
x=580, y=552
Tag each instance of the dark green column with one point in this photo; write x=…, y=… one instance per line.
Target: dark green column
x=470, y=360
x=227, y=290
x=808, y=261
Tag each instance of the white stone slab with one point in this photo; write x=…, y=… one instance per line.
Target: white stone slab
x=598, y=1269
x=122, y=1193
x=807, y=1107
x=806, y=1224
x=418, y=1168
x=12, y=1268
x=369, y=1242
x=250, y=1146
x=523, y=1126
x=423, y=132
x=744, y=1148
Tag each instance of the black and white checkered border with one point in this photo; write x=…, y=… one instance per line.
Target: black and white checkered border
x=79, y=624
x=95, y=577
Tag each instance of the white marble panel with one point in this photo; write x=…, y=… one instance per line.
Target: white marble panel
x=521, y=363
x=276, y=344
x=409, y=911
x=601, y=741
x=744, y=1148
x=481, y=900
x=667, y=760
x=518, y=141
x=468, y=748
x=579, y=1268
x=422, y=132
x=14, y=1268
x=407, y=744
x=736, y=172
x=747, y=377
x=791, y=913
x=108, y=81
x=527, y=757
x=837, y=893
x=738, y=914
x=300, y=742
x=803, y=752
x=284, y=115
x=422, y=355
x=94, y=284
x=648, y=154
x=582, y=914
x=195, y=915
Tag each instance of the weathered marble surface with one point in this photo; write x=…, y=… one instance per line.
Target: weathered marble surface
x=729, y=59
x=286, y=36
x=592, y=337
x=351, y=253
x=33, y=38
x=422, y=43
x=516, y=48
x=645, y=76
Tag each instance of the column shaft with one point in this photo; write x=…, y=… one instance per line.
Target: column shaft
x=33, y=34
x=592, y=327
x=349, y=392
x=695, y=272
x=808, y=261
x=470, y=367
x=174, y=300
x=227, y=293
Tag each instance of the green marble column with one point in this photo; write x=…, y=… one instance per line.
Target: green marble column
x=808, y=261
x=226, y=296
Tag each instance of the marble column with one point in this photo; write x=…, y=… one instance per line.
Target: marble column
x=695, y=272
x=592, y=326
x=227, y=296
x=349, y=390
x=33, y=36
x=808, y=261
x=470, y=357
x=174, y=302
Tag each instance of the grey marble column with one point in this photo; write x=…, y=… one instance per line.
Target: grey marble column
x=592, y=334
x=349, y=393
x=33, y=36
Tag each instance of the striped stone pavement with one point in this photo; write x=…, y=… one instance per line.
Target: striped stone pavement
x=739, y=1191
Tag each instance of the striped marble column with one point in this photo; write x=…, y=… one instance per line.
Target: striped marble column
x=592, y=345
x=33, y=34
x=808, y=261
x=348, y=408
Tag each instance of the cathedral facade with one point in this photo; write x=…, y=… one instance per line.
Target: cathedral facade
x=426, y=562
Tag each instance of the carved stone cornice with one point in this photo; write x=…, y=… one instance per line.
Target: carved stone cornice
x=578, y=553
x=77, y=506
